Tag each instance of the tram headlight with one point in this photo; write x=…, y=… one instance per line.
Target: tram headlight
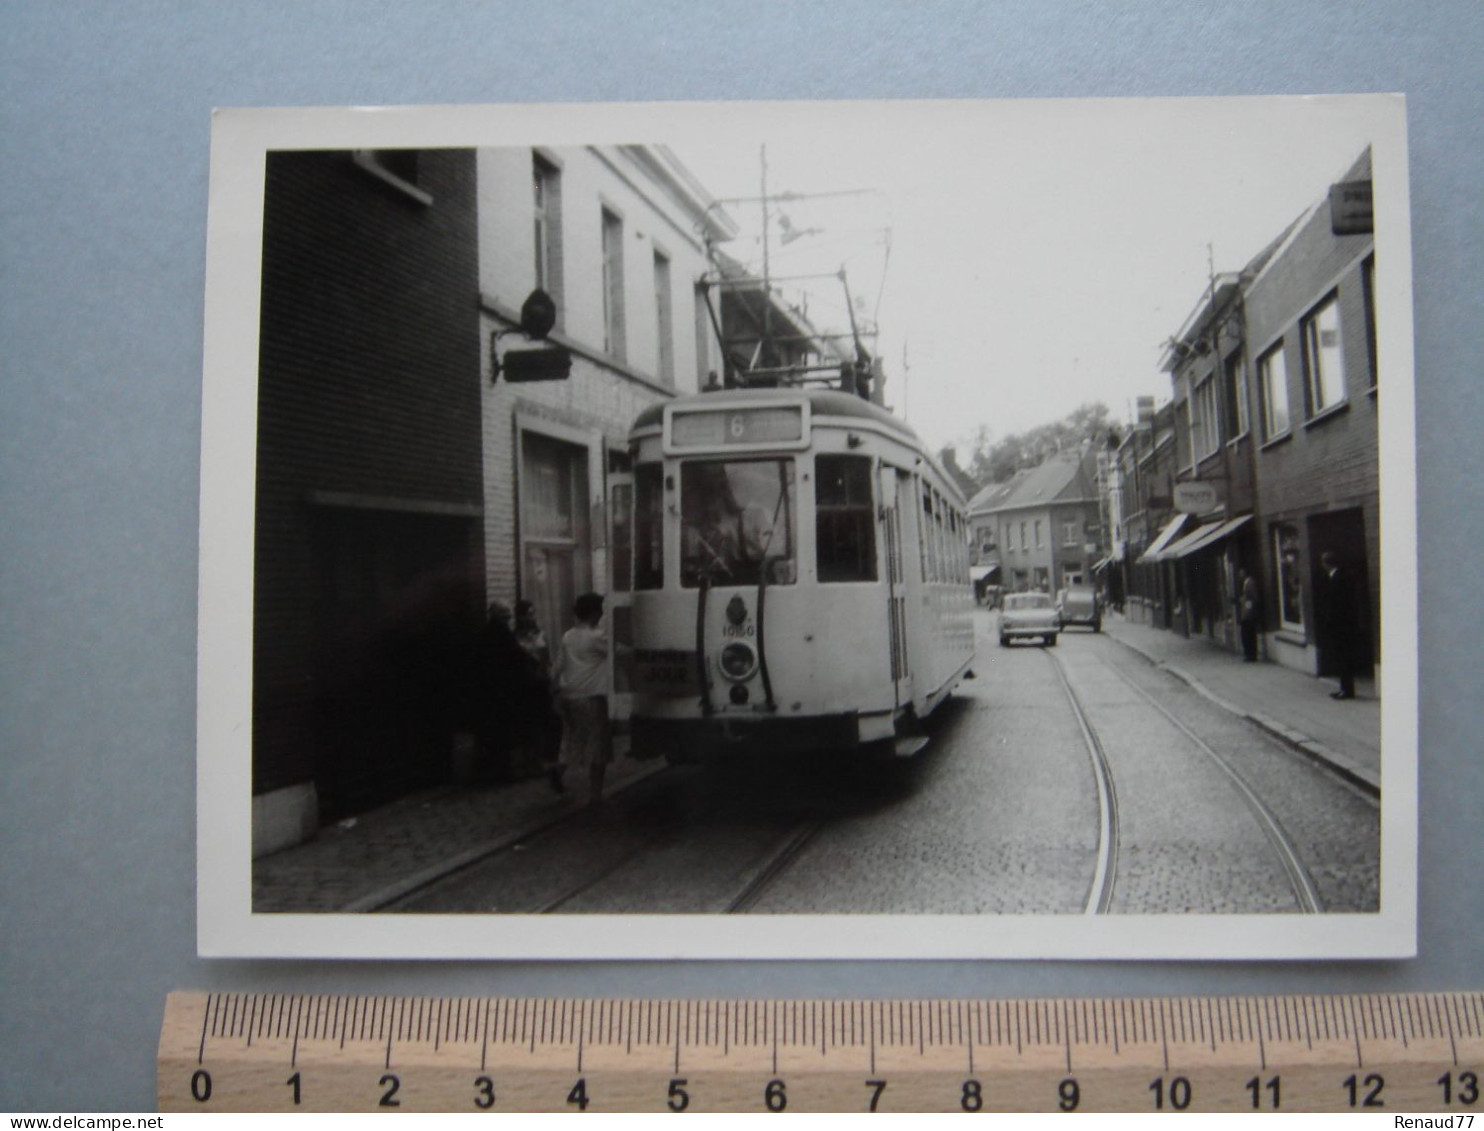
x=738, y=661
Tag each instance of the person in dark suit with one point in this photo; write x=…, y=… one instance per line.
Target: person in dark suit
x=1248, y=614
x=1338, y=630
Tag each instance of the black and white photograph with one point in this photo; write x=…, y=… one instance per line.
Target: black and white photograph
x=809, y=530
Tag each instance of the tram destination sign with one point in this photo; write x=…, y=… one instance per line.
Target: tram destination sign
x=754, y=427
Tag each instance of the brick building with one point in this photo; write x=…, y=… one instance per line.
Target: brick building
x=1272, y=439
x=367, y=557
x=1147, y=464
x=1311, y=325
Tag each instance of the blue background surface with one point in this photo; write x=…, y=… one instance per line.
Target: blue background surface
x=103, y=193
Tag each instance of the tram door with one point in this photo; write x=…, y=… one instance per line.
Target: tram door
x=619, y=605
x=893, y=488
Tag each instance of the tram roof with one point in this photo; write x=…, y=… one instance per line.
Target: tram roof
x=822, y=402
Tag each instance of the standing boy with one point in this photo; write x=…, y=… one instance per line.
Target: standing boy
x=581, y=675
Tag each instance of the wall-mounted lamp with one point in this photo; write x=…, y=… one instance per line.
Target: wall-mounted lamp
x=537, y=320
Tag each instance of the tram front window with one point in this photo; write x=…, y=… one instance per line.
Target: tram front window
x=734, y=516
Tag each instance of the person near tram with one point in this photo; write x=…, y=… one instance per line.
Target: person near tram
x=504, y=699
x=546, y=733
x=580, y=673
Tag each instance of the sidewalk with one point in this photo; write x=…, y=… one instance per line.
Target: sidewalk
x=365, y=862
x=1293, y=707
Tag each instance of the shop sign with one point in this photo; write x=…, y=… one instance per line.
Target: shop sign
x=1195, y=497
x=1350, y=210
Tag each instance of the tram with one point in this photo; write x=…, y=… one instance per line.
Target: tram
x=799, y=577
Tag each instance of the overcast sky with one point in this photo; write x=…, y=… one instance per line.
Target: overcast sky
x=1039, y=252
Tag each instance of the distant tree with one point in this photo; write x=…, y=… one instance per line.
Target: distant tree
x=965, y=482
x=997, y=460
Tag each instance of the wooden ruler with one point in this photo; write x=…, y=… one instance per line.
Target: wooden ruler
x=1378, y=1053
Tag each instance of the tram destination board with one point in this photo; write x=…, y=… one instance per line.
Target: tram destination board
x=1383, y=1054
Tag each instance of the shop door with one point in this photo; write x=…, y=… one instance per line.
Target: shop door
x=1342, y=533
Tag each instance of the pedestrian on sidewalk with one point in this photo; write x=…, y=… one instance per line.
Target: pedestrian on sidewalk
x=546, y=733
x=497, y=694
x=581, y=676
x=1338, y=631
x=1248, y=610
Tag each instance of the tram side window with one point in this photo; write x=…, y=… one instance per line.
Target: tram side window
x=649, y=526
x=929, y=538
x=844, y=519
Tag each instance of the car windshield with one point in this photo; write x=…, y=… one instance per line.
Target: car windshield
x=1020, y=601
x=734, y=515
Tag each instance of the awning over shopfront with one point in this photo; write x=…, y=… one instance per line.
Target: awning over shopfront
x=1102, y=564
x=980, y=572
x=1166, y=536
x=1206, y=537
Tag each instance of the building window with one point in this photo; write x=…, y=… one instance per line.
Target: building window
x=1368, y=286
x=844, y=519
x=1236, y=396
x=1069, y=533
x=664, y=319
x=1324, y=362
x=1039, y=543
x=1286, y=555
x=546, y=189
x=1024, y=542
x=1205, y=428
x=613, y=305
x=1272, y=383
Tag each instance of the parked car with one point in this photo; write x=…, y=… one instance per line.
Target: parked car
x=1080, y=605
x=1028, y=614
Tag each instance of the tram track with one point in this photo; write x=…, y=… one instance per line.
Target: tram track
x=775, y=864
x=1101, y=890
x=1302, y=884
x=1099, y=899
x=770, y=862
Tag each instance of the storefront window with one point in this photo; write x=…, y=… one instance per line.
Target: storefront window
x=734, y=516
x=1290, y=581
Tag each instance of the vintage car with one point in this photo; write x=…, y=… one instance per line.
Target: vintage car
x=1028, y=614
x=1080, y=605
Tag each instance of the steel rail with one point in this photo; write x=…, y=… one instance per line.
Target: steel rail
x=1298, y=876
x=774, y=865
x=1105, y=875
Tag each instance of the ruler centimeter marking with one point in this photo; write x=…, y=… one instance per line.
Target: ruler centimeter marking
x=286, y=1052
